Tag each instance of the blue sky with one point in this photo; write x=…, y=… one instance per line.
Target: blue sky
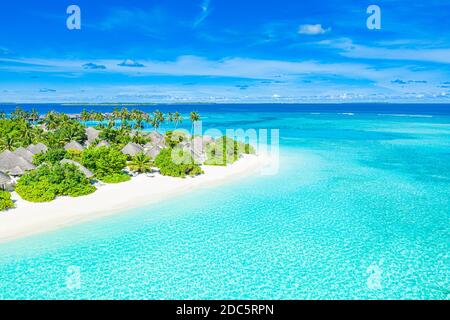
x=225, y=51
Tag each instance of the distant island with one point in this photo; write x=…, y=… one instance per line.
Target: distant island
x=57, y=157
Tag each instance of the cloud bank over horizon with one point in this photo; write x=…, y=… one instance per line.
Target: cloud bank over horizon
x=208, y=51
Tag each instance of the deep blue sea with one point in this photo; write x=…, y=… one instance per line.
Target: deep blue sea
x=360, y=209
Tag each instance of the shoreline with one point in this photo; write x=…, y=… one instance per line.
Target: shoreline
x=29, y=219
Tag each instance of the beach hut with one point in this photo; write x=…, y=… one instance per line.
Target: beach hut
x=13, y=164
x=92, y=134
x=24, y=153
x=157, y=138
x=103, y=143
x=132, y=149
x=5, y=182
x=82, y=168
x=74, y=145
x=153, y=151
x=37, y=148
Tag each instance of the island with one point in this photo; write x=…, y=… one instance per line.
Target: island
x=59, y=169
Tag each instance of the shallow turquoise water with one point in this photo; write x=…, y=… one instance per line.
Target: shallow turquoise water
x=359, y=209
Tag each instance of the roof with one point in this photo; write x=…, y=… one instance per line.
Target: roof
x=73, y=145
x=24, y=153
x=82, y=168
x=131, y=149
x=153, y=152
x=13, y=164
x=4, y=178
x=37, y=148
x=103, y=143
x=92, y=134
x=157, y=138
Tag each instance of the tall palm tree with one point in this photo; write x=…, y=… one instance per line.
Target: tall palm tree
x=140, y=163
x=177, y=119
x=157, y=119
x=169, y=117
x=194, y=117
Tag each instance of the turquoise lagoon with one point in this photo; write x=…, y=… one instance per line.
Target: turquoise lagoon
x=360, y=209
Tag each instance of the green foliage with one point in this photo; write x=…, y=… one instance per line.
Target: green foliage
x=16, y=133
x=182, y=165
x=116, y=178
x=75, y=155
x=52, y=156
x=140, y=163
x=173, y=138
x=47, y=182
x=104, y=161
x=5, y=201
x=226, y=150
x=119, y=137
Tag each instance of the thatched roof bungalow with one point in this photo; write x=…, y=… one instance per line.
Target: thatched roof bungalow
x=82, y=168
x=13, y=164
x=74, y=145
x=37, y=148
x=6, y=181
x=132, y=149
x=152, y=151
x=103, y=143
x=92, y=134
x=157, y=139
x=24, y=153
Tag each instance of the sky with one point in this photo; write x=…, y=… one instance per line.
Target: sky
x=225, y=51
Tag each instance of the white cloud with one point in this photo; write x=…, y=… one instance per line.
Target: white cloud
x=352, y=50
x=204, y=14
x=312, y=29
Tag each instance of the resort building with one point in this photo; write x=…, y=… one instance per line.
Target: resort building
x=37, y=148
x=14, y=164
x=152, y=151
x=6, y=182
x=89, y=174
x=103, y=143
x=24, y=153
x=74, y=145
x=157, y=139
x=132, y=149
x=92, y=135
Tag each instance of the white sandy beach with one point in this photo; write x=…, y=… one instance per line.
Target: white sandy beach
x=33, y=218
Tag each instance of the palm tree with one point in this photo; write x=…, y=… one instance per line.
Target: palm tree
x=51, y=120
x=169, y=117
x=2, y=115
x=140, y=163
x=157, y=119
x=194, y=117
x=85, y=116
x=27, y=134
x=34, y=115
x=70, y=133
x=177, y=119
x=19, y=113
x=9, y=142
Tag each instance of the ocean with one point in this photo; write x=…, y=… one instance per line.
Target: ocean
x=360, y=209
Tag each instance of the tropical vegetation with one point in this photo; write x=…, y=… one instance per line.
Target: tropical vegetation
x=5, y=201
x=182, y=166
x=49, y=181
